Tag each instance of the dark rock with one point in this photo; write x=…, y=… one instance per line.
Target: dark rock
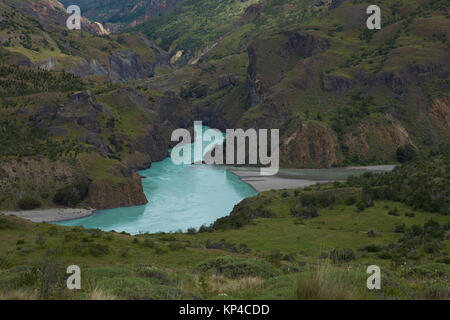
x=127, y=65
x=337, y=83
x=228, y=81
x=96, y=141
x=397, y=84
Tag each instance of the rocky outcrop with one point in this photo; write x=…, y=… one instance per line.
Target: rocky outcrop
x=127, y=65
x=48, y=65
x=226, y=81
x=104, y=195
x=124, y=65
x=394, y=82
x=92, y=68
x=312, y=144
x=377, y=139
x=337, y=83
x=439, y=110
x=291, y=46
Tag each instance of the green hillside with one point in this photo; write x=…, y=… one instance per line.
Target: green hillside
x=81, y=113
x=234, y=259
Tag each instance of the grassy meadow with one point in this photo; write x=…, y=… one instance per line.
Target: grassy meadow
x=279, y=256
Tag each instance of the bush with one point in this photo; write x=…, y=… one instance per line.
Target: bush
x=339, y=255
x=400, y=228
x=157, y=275
x=141, y=289
x=372, y=233
x=394, y=212
x=191, y=231
x=372, y=248
x=72, y=195
x=29, y=203
x=176, y=245
x=350, y=201
x=125, y=252
x=238, y=267
x=326, y=283
x=149, y=243
x=406, y=153
x=384, y=255
x=304, y=212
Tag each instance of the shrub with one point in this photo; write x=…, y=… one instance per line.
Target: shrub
x=141, y=289
x=73, y=194
x=328, y=284
x=339, y=255
x=350, y=201
x=149, y=243
x=394, y=212
x=304, y=212
x=29, y=203
x=125, y=252
x=93, y=249
x=160, y=250
x=406, y=153
x=372, y=233
x=176, y=245
x=372, y=248
x=191, y=231
x=400, y=228
x=6, y=224
x=238, y=267
x=41, y=239
x=384, y=255
x=155, y=274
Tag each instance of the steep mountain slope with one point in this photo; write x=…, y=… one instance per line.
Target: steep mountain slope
x=119, y=14
x=339, y=93
x=37, y=30
x=63, y=132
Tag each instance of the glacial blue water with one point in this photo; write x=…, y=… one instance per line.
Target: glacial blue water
x=180, y=197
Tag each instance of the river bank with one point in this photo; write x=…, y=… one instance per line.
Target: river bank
x=51, y=215
x=300, y=178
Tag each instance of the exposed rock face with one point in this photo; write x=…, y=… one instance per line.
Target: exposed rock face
x=123, y=66
x=381, y=139
x=48, y=65
x=440, y=112
x=305, y=45
x=291, y=46
x=311, y=144
x=103, y=195
x=81, y=109
x=227, y=81
x=174, y=110
x=127, y=65
x=396, y=83
x=252, y=84
x=83, y=112
x=337, y=83
x=85, y=69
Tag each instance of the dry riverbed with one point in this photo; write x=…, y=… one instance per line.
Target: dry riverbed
x=300, y=178
x=51, y=215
